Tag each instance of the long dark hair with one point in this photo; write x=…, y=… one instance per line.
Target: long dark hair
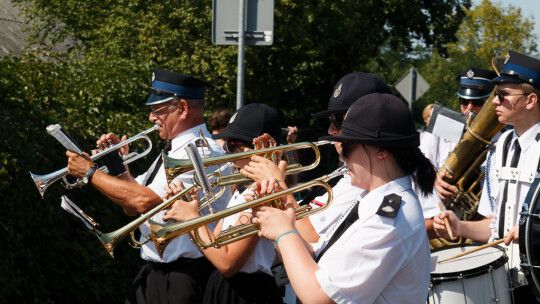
x=412, y=160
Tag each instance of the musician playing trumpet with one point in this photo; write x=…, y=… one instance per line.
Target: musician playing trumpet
x=510, y=168
x=176, y=105
x=243, y=272
x=378, y=252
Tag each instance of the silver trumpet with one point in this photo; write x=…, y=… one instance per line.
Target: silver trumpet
x=42, y=182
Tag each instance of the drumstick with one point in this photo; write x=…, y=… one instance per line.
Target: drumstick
x=446, y=222
x=472, y=250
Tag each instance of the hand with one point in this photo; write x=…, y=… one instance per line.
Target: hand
x=78, y=164
x=273, y=221
x=291, y=136
x=182, y=210
x=440, y=227
x=107, y=140
x=265, y=141
x=173, y=189
x=260, y=168
x=445, y=190
x=512, y=235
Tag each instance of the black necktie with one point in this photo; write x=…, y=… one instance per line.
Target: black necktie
x=166, y=149
x=513, y=164
x=349, y=220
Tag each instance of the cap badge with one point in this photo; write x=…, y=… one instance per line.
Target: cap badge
x=388, y=209
x=233, y=117
x=153, y=76
x=507, y=57
x=338, y=91
x=470, y=73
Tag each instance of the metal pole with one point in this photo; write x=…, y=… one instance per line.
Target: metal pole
x=241, y=44
x=413, y=88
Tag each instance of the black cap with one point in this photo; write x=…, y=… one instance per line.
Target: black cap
x=382, y=120
x=166, y=85
x=351, y=87
x=475, y=83
x=519, y=68
x=253, y=120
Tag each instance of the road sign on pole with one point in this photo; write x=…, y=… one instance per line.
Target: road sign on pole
x=242, y=22
x=412, y=86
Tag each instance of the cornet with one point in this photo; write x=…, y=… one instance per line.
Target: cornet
x=163, y=234
x=175, y=167
x=42, y=182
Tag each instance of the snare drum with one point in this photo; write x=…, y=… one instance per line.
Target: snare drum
x=529, y=237
x=478, y=277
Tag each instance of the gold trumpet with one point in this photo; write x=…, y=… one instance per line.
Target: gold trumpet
x=42, y=182
x=175, y=167
x=111, y=239
x=163, y=234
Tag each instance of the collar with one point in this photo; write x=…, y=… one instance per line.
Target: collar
x=528, y=138
x=374, y=197
x=187, y=136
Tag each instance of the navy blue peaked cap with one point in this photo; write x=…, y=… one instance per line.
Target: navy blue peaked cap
x=166, y=85
x=475, y=83
x=519, y=68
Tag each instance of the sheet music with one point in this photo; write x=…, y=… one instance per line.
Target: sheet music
x=448, y=128
x=57, y=132
x=70, y=207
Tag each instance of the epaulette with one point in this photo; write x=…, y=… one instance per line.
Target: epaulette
x=390, y=206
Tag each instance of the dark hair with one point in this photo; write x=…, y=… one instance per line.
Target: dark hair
x=411, y=160
x=220, y=119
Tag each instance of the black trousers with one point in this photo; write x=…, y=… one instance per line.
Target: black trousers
x=181, y=281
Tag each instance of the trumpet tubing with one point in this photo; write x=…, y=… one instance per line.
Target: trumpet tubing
x=42, y=182
x=163, y=234
x=175, y=167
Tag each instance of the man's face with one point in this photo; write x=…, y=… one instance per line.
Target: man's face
x=510, y=103
x=468, y=105
x=166, y=115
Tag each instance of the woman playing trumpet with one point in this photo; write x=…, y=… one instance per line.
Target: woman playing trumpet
x=379, y=251
x=243, y=272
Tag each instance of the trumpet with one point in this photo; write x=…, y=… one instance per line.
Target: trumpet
x=163, y=234
x=42, y=182
x=111, y=239
x=175, y=167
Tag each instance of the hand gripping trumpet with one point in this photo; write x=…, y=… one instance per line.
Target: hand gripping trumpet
x=162, y=235
x=42, y=182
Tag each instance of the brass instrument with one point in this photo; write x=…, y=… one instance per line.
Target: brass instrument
x=163, y=234
x=42, y=182
x=175, y=167
x=111, y=239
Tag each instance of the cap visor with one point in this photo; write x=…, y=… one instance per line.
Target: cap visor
x=231, y=134
x=505, y=78
x=470, y=93
x=324, y=114
x=157, y=99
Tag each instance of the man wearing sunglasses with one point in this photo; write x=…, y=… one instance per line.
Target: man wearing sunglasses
x=474, y=89
x=510, y=168
x=176, y=105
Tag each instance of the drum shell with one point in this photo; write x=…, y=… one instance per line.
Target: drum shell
x=529, y=236
x=479, y=283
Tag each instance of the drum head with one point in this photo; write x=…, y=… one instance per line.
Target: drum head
x=466, y=266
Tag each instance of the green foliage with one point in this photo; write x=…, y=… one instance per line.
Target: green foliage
x=100, y=83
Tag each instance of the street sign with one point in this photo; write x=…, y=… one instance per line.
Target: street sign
x=411, y=86
x=259, y=22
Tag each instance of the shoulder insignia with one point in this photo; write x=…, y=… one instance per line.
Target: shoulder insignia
x=390, y=206
x=537, y=136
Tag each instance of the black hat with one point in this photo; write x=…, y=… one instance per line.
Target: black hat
x=351, y=87
x=381, y=120
x=166, y=85
x=475, y=83
x=519, y=68
x=253, y=120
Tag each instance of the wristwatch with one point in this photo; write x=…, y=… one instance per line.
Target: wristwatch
x=88, y=175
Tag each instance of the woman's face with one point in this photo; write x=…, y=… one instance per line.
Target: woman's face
x=359, y=162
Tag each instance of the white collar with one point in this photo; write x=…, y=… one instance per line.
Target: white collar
x=187, y=136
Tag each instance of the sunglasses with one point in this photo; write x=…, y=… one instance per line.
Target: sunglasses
x=347, y=148
x=475, y=102
x=502, y=95
x=337, y=120
x=234, y=146
x=156, y=111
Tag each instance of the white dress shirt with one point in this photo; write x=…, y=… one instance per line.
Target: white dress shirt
x=263, y=256
x=181, y=246
x=379, y=259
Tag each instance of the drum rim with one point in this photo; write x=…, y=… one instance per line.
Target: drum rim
x=470, y=273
